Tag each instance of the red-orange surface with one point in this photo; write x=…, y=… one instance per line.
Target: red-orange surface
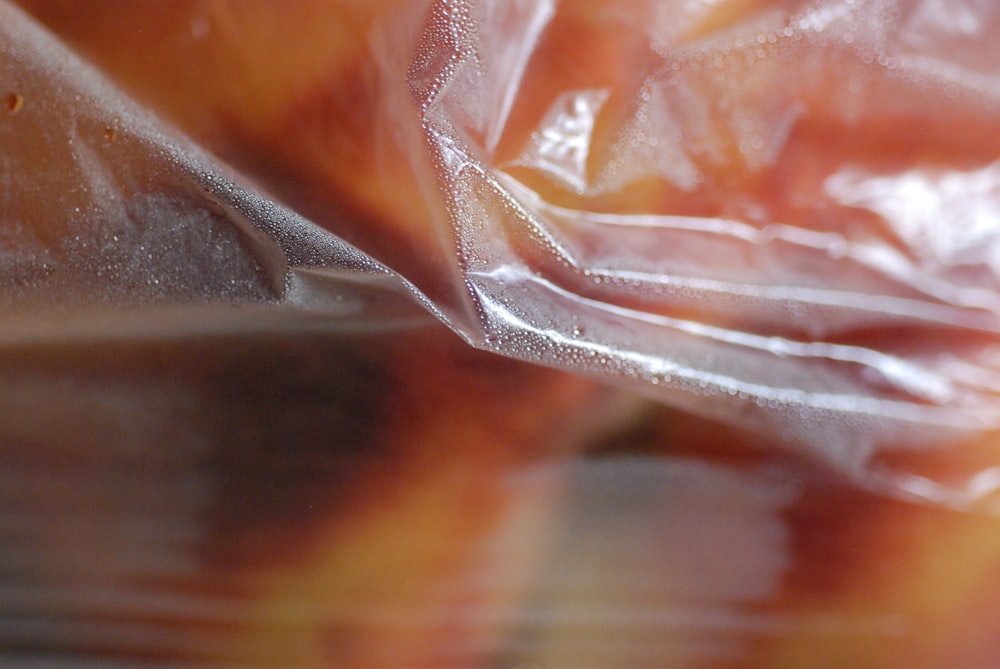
x=402, y=500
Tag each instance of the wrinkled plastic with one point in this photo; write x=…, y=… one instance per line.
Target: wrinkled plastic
x=235, y=429
x=782, y=215
x=787, y=219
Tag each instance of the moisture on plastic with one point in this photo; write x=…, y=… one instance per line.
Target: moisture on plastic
x=103, y=210
x=785, y=215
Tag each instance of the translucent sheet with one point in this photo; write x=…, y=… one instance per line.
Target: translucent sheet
x=783, y=215
x=748, y=249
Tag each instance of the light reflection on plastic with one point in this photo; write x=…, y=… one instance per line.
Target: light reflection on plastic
x=659, y=366
x=562, y=145
x=917, y=201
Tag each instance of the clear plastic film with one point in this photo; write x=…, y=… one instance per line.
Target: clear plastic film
x=783, y=215
x=430, y=333
x=106, y=215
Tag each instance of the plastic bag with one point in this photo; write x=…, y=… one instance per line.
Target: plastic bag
x=784, y=216
x=778, y=214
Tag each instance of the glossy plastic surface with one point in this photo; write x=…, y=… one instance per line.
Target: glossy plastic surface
x=745, y=248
